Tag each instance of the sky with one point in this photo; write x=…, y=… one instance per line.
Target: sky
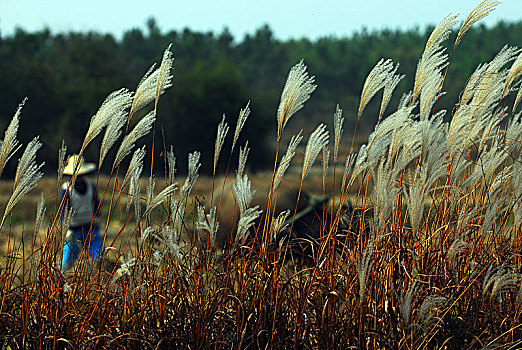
x=286, y=18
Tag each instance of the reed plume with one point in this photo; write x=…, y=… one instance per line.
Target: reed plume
x=246, y=221
x=222, y=132
x=433, y=59
x=243, y=115
x=135, y=164
x=40, y=213
x=111, y=108
x=9, y=145
x=164, y=79
x=280, y=223
x=61, y=161
x=298, y=88
x=171, y=162
x=480, y=11
x=284, y=163
x=243, y=156
x=243, y=193
x=363, y=265
x=375, y=81
x=317, y=141
x=338, y=130
x=116, y=122
x=514, y=72
x=326, y=156
x=390, y=83
x=154, y=201
x=407, y=301
x=140, y=130
x=27, y=176
x=430, y=308
x=208, y=222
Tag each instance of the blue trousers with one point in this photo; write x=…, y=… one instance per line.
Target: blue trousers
x=77, y=239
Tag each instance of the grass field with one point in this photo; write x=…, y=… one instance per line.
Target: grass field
x=420, y=247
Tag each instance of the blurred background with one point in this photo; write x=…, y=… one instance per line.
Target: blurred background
x=66, y=57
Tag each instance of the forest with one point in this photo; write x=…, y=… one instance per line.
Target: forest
x=66, y=77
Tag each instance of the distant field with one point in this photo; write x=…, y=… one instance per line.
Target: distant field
x=22, y=219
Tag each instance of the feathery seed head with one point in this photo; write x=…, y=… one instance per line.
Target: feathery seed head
x=243, y=155
x=317, y=141
x=126, y=266
x=61, y=160
x=326, y=155
x=391, y=82
x=40, y=213
x=135, y=165
x=407, y=301
x=151, y=185
x=441, y=33
x=153, y=202
x=490, y=87
x=245, y=222
x=121, y=100
x=135, y=194
x=27, y=160
x=178, y=204
x=220, y=139
x=208, y=222
x=284, y=163
x=348, y=167
x=65, y=221
x=374, y=82
x=363, y=264
x=430, y=94
x=514, y=72
x=171, y=162
x=433, y=59
x=242, y=192
x=298, y=88
x=457, y=246
x=171, y=240
x=429, y=309
x=517, y=100
x=480, y=11
x=243, y=115
x=164, y=80
x=193, y=165
x=145, y=92
x=140, y=130
x=499, y=279
x=415, y=197
x=192, y=176
x=384, y=194
x=10, y=144
x=278, y=224
x=113, y=106
x=338, y=130
x=27, y=176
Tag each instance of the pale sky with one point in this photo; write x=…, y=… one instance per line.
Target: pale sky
x=287, y=18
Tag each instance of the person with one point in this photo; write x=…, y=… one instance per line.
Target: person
x=82, y=200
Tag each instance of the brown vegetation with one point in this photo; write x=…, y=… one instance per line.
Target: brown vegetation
x=433, y=259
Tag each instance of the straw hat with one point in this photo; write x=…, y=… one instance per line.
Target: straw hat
x=82, y=168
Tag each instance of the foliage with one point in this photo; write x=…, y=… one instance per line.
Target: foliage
x=431, y=258
x=67, y=74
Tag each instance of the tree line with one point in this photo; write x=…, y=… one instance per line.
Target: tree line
x=66, y=77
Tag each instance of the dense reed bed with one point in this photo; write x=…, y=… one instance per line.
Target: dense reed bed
x=431, y=260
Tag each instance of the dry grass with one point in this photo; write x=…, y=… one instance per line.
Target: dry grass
x=431, y=258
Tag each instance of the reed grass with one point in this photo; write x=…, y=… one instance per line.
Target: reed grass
x=432, y=260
